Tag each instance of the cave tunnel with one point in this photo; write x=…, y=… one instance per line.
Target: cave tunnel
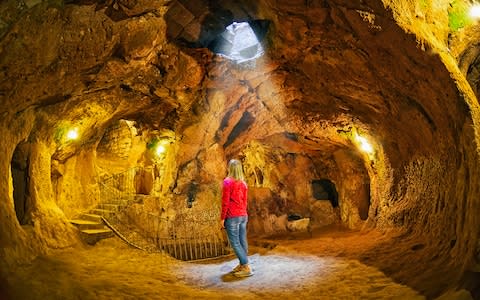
x=356, y=123
x=324, y=189
x=20, y=183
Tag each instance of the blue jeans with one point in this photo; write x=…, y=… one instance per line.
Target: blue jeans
x=237, y=235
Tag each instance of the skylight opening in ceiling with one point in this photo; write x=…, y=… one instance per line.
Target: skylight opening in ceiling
x=239, y=43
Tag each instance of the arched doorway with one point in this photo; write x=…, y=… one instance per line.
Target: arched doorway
x=19, y=166
x=364, y=201
x=324, y=189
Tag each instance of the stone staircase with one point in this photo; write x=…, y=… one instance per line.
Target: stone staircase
x=90, y=224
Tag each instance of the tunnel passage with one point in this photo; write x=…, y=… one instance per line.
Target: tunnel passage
x=20, y=178
x=279, y=172
x=324, y=189
x=144, y=180
x=364, y=201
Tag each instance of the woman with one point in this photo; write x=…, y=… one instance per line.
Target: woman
x=234, y=216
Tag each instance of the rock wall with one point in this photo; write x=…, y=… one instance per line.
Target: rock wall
x=45, y=225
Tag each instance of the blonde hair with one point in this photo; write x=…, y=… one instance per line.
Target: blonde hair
x=235, y=170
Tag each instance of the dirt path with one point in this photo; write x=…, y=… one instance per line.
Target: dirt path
x=291, y=270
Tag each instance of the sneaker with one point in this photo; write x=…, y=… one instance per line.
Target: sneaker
x=244, y=271
x=237, y=268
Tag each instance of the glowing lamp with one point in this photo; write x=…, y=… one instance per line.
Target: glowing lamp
x=72, y=134
x=364, y=144
x=160, y=150
x=475, y=11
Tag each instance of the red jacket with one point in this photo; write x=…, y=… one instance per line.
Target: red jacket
x=234, y=198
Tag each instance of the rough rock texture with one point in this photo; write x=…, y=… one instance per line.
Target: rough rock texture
x=332, y=71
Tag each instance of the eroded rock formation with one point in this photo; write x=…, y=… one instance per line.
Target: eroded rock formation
x=129, y=75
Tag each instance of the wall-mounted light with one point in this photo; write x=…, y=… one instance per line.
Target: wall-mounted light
x=475, y=11
x=363, y=144
x=160, y=149
x=72, y=134
x=158, y=146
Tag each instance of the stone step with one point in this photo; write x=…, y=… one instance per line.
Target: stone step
x=87, y=224
x=92, y=236
x=102, y=212
x=92, y=217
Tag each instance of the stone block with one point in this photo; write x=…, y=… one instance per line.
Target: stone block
x=299, y=225
x=322, y=213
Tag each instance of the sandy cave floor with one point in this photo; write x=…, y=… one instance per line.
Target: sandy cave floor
x=290, y=267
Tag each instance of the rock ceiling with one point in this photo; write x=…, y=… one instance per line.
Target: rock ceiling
x=113, y=61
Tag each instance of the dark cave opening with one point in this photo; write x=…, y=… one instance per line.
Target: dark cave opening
x=324, y=189
x=20, y=182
